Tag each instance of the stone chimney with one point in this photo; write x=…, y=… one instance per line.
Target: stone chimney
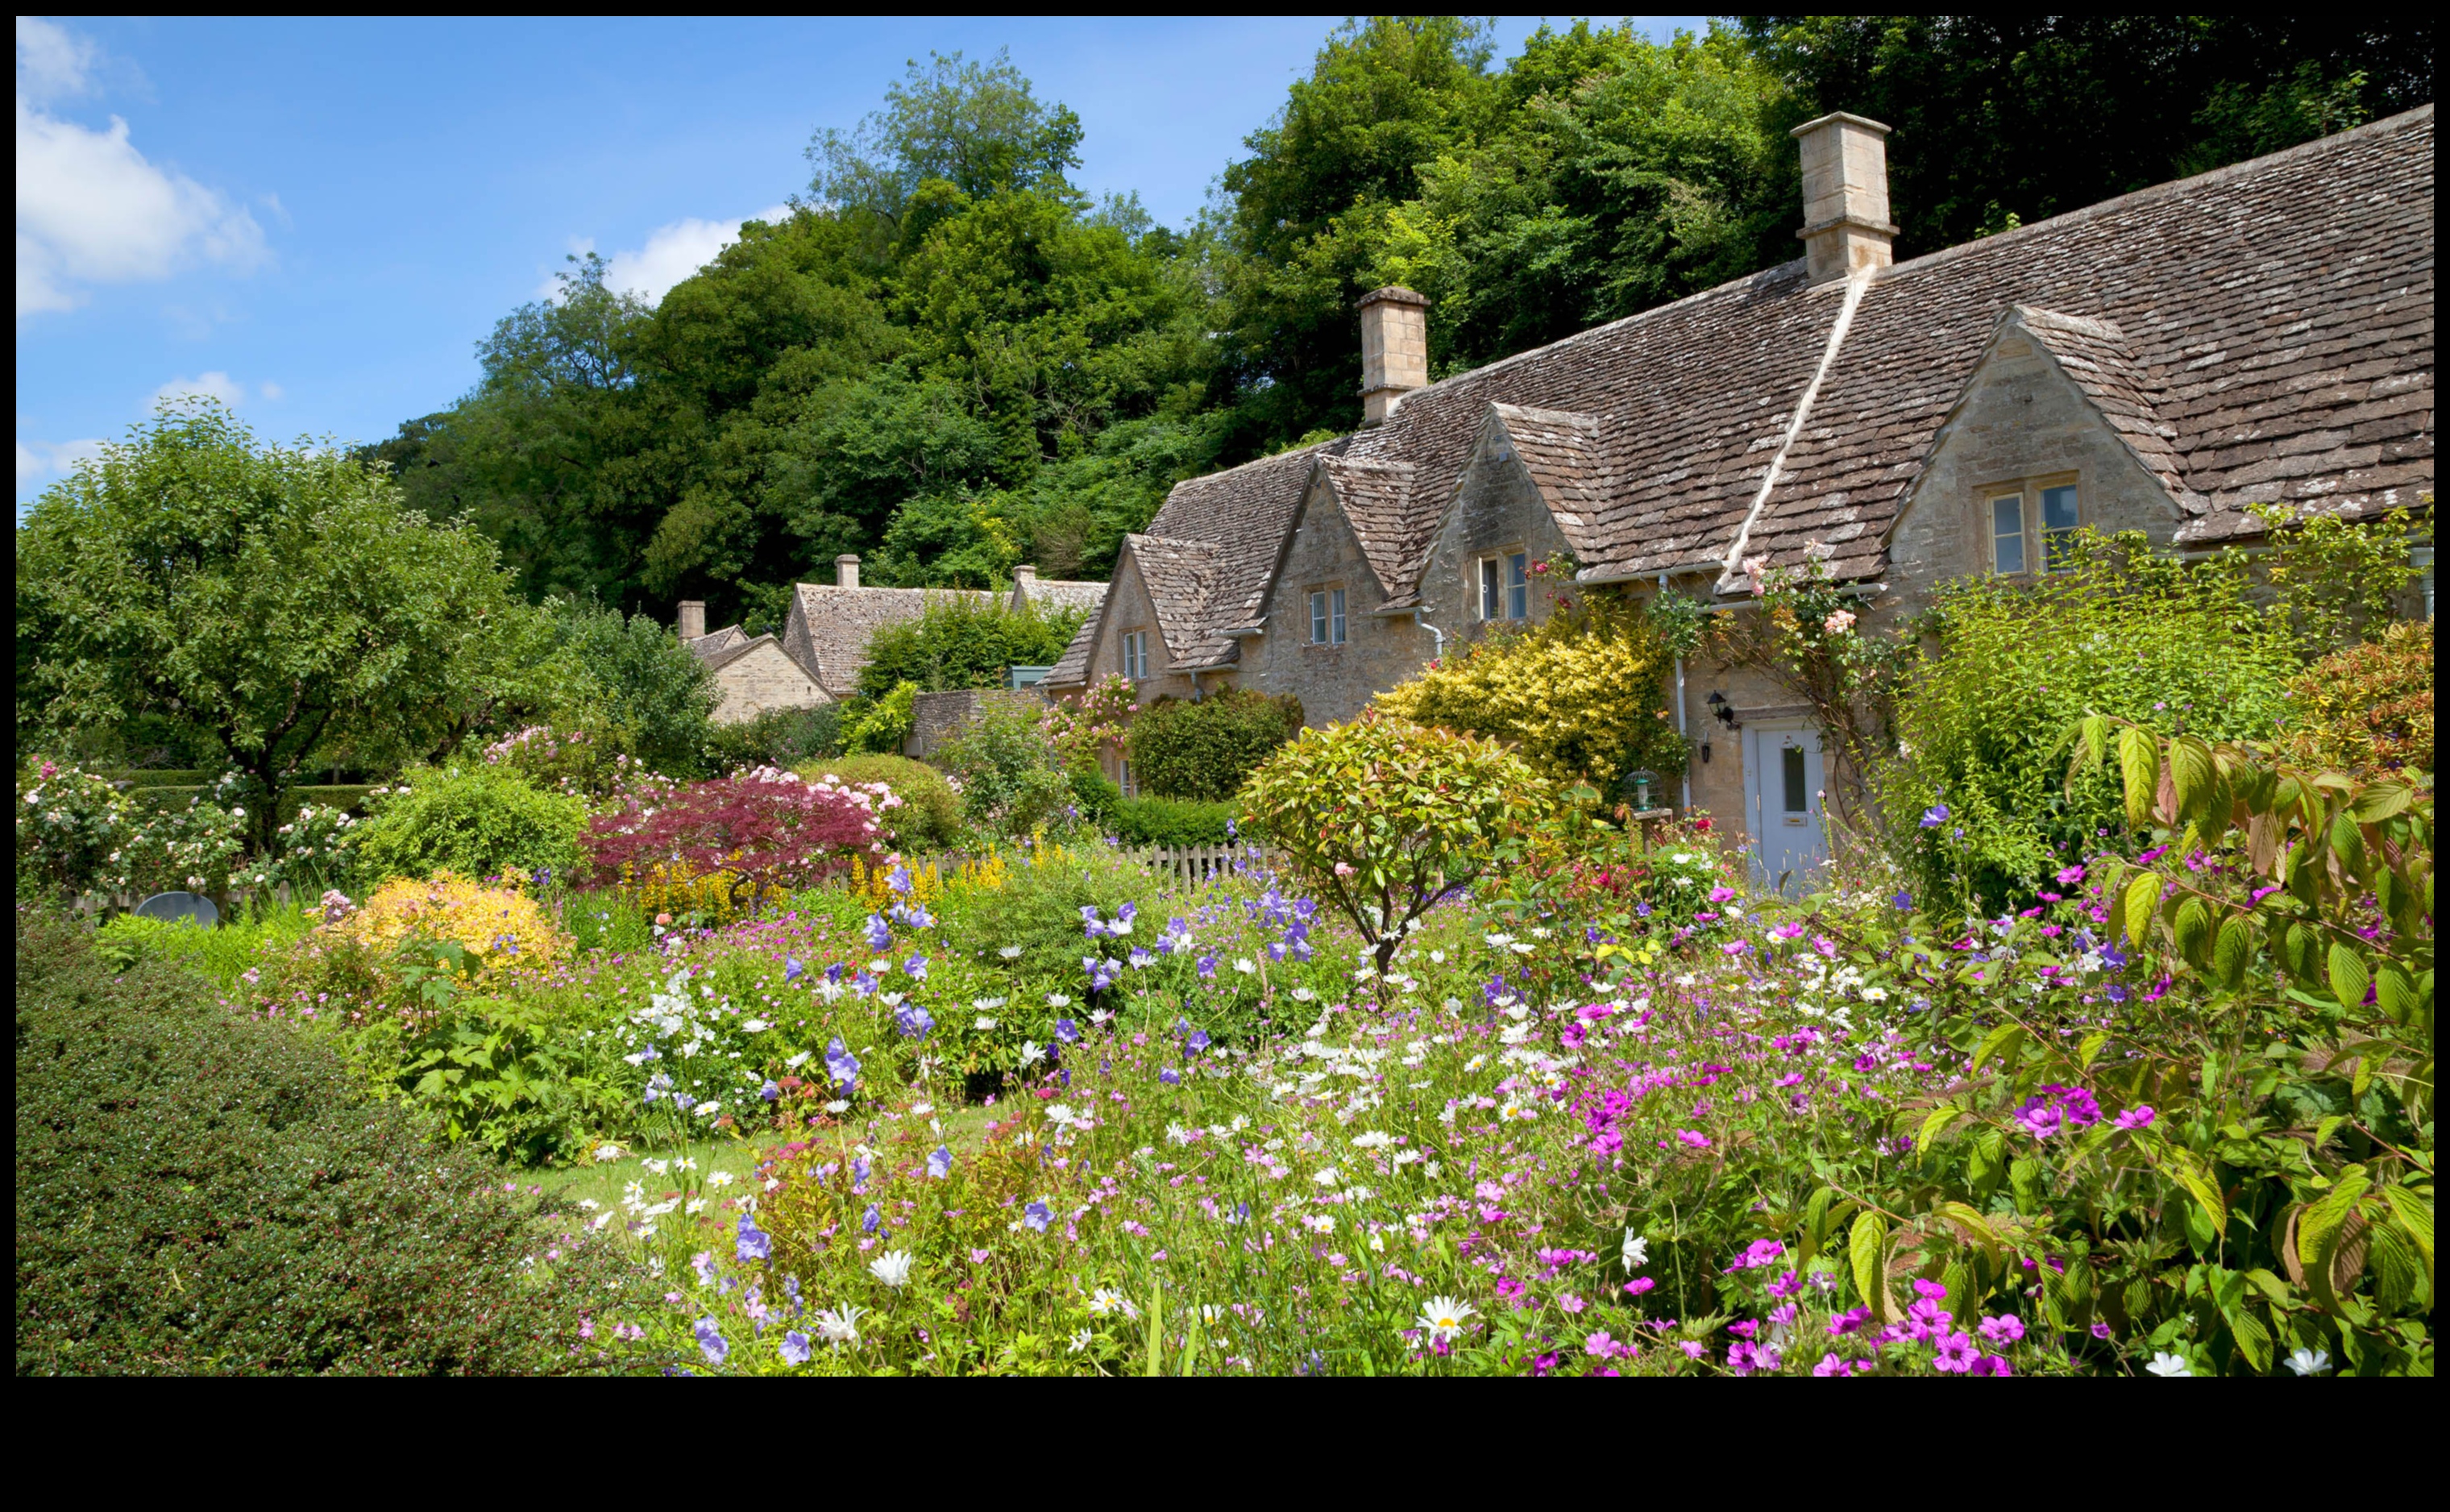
x=1024, y=577
x=1395, y=349
x=847, y=570
x=1846, y=224
x=693, y=619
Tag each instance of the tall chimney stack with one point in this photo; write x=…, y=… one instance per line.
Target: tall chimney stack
x=1395, y=349
x=1846, y=224
x=847, y=570
x=1024, y=577
x=693, y=619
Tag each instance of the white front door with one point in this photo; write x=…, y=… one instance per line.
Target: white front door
x=1782, y=785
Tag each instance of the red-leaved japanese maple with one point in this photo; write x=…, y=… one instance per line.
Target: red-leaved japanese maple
x=765, y=828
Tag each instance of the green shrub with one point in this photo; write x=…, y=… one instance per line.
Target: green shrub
x=1039, y=909
x=1172, y=821
x=962, y=641
x=779, y=737
x=1207, y=749
x=201, y=1194
x=1010, y=782
x=878, y=727
x=930, y=814
x=1097, y=799
x=657, y=698
x=1983, y=713
x=477, y=821
x=222, y=954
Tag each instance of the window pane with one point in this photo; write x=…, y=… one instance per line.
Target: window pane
x=1339, y=617
x=1796, y=798
x=2058, y=523
x=1318, y=617
x=1518, y=586
x=2008, y=532
x=1488, y=588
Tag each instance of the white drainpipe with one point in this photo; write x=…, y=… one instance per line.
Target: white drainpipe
x=1679, y=713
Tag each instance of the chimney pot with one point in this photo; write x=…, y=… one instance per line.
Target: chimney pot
x=1846, y=226
x=693, y=619
x=1395, y=349
x=847, y=570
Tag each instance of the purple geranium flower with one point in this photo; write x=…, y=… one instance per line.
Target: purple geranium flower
x=2139, y=1116
x=1956, y=1354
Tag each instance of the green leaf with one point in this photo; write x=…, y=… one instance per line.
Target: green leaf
x=2381, y=800
x=2193, y=929
x=2395, y=991
x=2348, y=844
x=1866, y=1247
x=2192, y=774
x=2142, y=899
x=2318, y=1232
x=2234, y=952
x=1156, y=1326
x=2415, y=1215
x=1996, y=1041
x=2139, y=768
x=2191, y=1172
x=2348, y=977
x=1933, y=1124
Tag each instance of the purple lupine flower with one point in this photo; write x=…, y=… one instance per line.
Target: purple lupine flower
x=940, y=1165
x=795, y=1349
x=844, y=1065
x=711, y=1341
x=1037, y=1217
x=751, y=1243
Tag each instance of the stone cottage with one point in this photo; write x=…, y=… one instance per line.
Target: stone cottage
x=754, y=673
x=2155, y=363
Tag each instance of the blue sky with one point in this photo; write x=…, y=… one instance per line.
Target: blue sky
x=317, y=220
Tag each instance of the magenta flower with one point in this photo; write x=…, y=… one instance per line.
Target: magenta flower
x=2003, y=1330
x=1599, y=1346
x=1721, y=895
x=1830, y=1365
x=1694, y=1137
x=2069, y=876
x=1956, y=1354
x=1991, y=1365
x=2038, y=1118
x=1736, y=947
x=2139, y=1116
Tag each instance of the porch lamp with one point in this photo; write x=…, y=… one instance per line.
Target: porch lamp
x=1726, y=711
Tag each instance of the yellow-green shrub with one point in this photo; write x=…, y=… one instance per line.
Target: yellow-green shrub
x=500, y=926
x=2368, y=707
x=1577, y=695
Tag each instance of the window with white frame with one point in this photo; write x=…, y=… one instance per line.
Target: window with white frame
x=2033, y=525
x=1135, y=654
x=1327, y=616
x=1129, y=784
x=1506, y=585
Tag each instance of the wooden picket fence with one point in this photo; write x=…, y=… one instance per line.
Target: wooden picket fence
x=1181, y=868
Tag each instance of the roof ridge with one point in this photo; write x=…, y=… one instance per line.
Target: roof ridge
x=2388, y=126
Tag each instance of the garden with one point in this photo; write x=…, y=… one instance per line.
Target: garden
x=586, y=1043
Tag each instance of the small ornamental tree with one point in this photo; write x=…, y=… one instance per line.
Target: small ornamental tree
x=762, y=829
x=1385, y=818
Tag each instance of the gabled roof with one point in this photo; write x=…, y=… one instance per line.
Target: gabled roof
x=732, y=650
x=1071, y=669
x=2263, y=332
x=1375, y=497
x=1182, y=579
x=830, y=626
x=713, y=643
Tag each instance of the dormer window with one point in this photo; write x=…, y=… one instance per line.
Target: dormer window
x=1506, y=585
x=1327, y=616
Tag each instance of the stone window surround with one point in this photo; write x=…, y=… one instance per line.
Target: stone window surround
x=1318, y=597
x=1488, y=570
x=2029, y=490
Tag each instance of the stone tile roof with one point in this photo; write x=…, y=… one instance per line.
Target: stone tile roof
x=1184, y=579
x=1071, y=669
x=1376, y=499
x=2263, y=332
x=830, y=626
x=713, y=644
x=1059, y=594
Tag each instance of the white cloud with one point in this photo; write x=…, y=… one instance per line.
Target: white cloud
x=273, y=391
x=37, y=460
x=214, y=386
x=90, y=207
x=672, y=253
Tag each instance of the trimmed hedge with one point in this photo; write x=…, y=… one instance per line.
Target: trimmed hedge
x=200, y=1193
x=1207, y=749
x=1172, y=821
x=167, y=799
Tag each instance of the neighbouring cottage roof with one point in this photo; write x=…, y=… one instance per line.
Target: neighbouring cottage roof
x=1058, y=594
x=1072, y=667
x=708, y=647
x=830, y=626
x=2263, y=332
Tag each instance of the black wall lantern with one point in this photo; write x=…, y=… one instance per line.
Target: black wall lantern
x=1726, y=711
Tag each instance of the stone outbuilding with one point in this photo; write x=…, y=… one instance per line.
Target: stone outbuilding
x=2157, y=362
x=754, y=673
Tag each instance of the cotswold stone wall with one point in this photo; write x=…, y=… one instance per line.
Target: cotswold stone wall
x=1335, y=683
x=764, y=678
x=936, y=718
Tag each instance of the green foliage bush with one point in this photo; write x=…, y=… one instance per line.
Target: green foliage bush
x=1983, y=714
x=1172, y=821
x=480, y=822
x=1206, y=750
x=778, y=737
x=1095, y=796
x=657, y=699
x=930, y=814
x=1010, y=780
x=964, y=640
x=222, y=954
x=879, y=726
x=201, y=1194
